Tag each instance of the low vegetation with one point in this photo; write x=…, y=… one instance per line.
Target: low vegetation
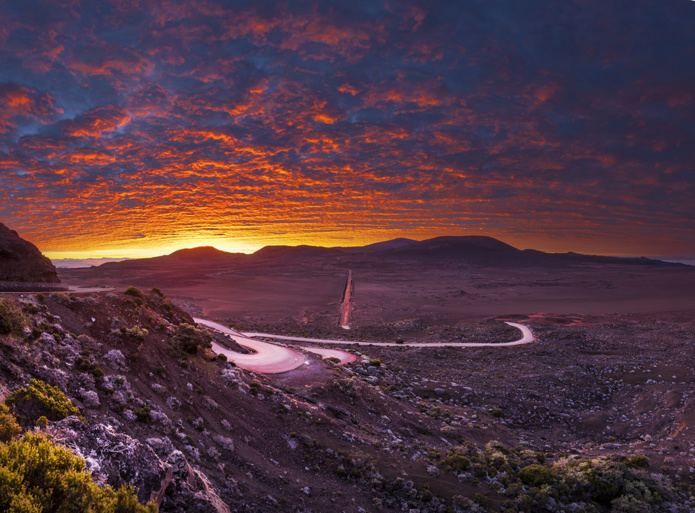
x=9, y=428
x=41, y=399
x=189, y=338
x=12, y=319
x=37, y=475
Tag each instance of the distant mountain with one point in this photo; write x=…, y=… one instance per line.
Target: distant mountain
x=204, y=253
x=471, y=250
x=21, y=261
x=390, y=244
x=203, y=256
x=295, y=252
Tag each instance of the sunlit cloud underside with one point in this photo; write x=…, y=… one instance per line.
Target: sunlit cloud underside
x=137, y=128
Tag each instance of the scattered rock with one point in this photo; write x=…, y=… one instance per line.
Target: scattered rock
x=115, y=359
x=89, y=398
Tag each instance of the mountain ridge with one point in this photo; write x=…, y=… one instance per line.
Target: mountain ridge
x=473, y=249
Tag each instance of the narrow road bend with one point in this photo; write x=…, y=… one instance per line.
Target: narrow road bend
x=526, y=338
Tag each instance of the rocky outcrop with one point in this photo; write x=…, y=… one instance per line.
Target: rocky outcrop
x=21, y=261
x=115, y=458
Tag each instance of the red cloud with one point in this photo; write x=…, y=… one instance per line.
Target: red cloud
x=19, y=103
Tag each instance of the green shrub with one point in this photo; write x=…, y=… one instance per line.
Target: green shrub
x=375, y=362
x=481, y=500
x=12, y=319
x=134, y=333
x=41, y=399
x=92, y=368
x=133, y=302
x=37, y=475
x=449, y=432
x=157, y=291
x=135, y=292
x=143, y=415
x=188, y=338
x=8, y=424
x=31, y=308
x=457, y=461
x=639, y=460
x=497, y=413
x=535, y=475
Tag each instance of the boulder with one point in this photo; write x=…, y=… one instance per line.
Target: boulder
x=115, y=458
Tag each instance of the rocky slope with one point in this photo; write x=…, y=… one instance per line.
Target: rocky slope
x=405, y=430
x=21, y=261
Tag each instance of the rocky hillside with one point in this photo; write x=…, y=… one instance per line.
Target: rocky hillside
x=158, y=410
x=21, y=261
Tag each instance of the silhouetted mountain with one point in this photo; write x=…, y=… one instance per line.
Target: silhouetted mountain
x=471, y=250
x=468, y=249
x=203, y=256
x=202, y=253
x=21, y=261
x=391, y=244
x=286, y=253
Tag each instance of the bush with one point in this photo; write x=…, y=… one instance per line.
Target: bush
x=41, y=399
x=133, y=303
x=535, y=475
x=143, y=415
x=135, y=292
x=91, y=367
x=8, y=424
x=12, y=319
x=38, y=475
x=188, y=338
x=639, y=460
x=457, y=461
x=134, y=333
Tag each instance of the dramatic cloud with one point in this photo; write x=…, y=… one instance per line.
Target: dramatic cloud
x=130, y=127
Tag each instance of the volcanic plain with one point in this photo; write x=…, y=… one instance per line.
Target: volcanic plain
x=596, y=415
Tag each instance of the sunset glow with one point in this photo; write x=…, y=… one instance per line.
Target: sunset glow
x=132, y=129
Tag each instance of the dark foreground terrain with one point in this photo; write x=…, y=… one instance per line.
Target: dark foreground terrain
x=597, y=415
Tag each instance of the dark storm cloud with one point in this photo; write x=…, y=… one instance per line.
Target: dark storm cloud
x=429, y=117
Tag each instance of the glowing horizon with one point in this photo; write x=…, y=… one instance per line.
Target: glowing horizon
x=131, y=129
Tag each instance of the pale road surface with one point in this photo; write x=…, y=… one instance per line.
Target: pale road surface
x=527, y=338
x=271, y=359
x=345, y=306
x=268, y=358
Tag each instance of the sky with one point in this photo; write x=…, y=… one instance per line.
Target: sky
x=134, y=128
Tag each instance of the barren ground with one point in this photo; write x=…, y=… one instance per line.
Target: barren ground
x=612, y=372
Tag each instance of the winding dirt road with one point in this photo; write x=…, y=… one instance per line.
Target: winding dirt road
x=268, y=358
x=526, y=338
x=272, y=359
